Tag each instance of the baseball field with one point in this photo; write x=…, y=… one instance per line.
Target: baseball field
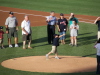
x=86, y=11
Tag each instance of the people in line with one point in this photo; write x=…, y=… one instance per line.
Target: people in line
x=62, y=27
x=26, y=32
x=11, y=24
x=71, y=18
x=73, y=32
x=51, y=23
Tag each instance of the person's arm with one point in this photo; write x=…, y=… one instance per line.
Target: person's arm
x=16, y=24
x=96, y=20
x=61, y=35
x=6, y=25
x=49, y=19
x=58, y=25
x=25, y=31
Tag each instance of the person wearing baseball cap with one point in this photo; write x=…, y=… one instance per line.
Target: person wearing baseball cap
x=11, y=29
x=1, y=37
x=62, y=27
x=55, y=44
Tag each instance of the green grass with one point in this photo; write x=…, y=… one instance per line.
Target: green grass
x=83, y=7
x=86, y=40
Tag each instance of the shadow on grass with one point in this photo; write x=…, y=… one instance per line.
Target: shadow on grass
x=89, y=55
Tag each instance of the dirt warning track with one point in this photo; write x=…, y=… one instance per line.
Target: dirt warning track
x=37, y=18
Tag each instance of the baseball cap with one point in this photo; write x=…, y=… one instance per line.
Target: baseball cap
x=1, y=27
x=11, y=13
x=61, y=14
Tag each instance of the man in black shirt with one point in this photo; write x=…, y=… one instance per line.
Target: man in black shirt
x=97, y=22
x=54, y=46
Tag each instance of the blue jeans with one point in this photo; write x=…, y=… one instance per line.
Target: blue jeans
x=63, y=37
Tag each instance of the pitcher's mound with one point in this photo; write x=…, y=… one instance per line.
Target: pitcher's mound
x=67, y=64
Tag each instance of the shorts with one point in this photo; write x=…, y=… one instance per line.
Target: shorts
x=54, y=49
x=1, y=41
x=98, y=34
x=63, y=37
x=12, y=32
x=26, y=37
x=73, y=34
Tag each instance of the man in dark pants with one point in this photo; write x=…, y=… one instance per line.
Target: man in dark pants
x=51, y=20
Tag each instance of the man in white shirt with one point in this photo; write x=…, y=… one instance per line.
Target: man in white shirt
x=26, y=32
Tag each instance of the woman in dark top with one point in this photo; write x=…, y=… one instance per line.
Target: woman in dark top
x=62, y=27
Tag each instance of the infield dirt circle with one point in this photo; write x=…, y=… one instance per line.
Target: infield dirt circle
x=66, y=64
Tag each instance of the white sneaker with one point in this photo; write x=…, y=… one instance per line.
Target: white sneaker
x=16, y=45
x=56, y=57
x=47, y=56
x=10, y=46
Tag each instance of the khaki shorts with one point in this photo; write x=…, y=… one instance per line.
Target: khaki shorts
x=1, y=41
x=12, y=32
x=26, y=37
x=54, y=49
x=98, y=34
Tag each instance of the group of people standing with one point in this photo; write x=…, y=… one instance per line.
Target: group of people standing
x=11, y=25
x=62, y=25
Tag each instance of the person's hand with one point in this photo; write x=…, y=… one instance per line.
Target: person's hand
x=6, y=31
x=59, y=30
x=74, y=27
x=26, y=33
x=17, y=28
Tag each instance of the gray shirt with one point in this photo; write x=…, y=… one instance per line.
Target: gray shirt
x=53, y=21
x=11, y=22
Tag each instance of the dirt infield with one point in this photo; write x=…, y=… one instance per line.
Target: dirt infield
x=67, y=64
x=37, y=18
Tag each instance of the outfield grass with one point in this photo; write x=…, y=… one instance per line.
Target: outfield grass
x=86, y=39
x=83, y=7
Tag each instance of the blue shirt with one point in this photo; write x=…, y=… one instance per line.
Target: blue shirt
x=52, y=21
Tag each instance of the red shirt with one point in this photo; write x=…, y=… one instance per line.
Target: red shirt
x=1, y=34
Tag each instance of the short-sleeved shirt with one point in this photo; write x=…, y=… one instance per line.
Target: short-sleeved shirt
x=11, y=21
x=71, y=20
x=56, y=41
x=1, y=34
x=62, y=24
x=97, y=46
x=26, y=26
x=98, y=23
x=53, y=21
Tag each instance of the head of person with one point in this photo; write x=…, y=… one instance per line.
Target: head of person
x=52, y=13
x=72, y=14
x=11, y=14
x=61, y=15
x=98, y=41
x=1, y=27
x=56, y=35
x=26, y=18
x=74, y=22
